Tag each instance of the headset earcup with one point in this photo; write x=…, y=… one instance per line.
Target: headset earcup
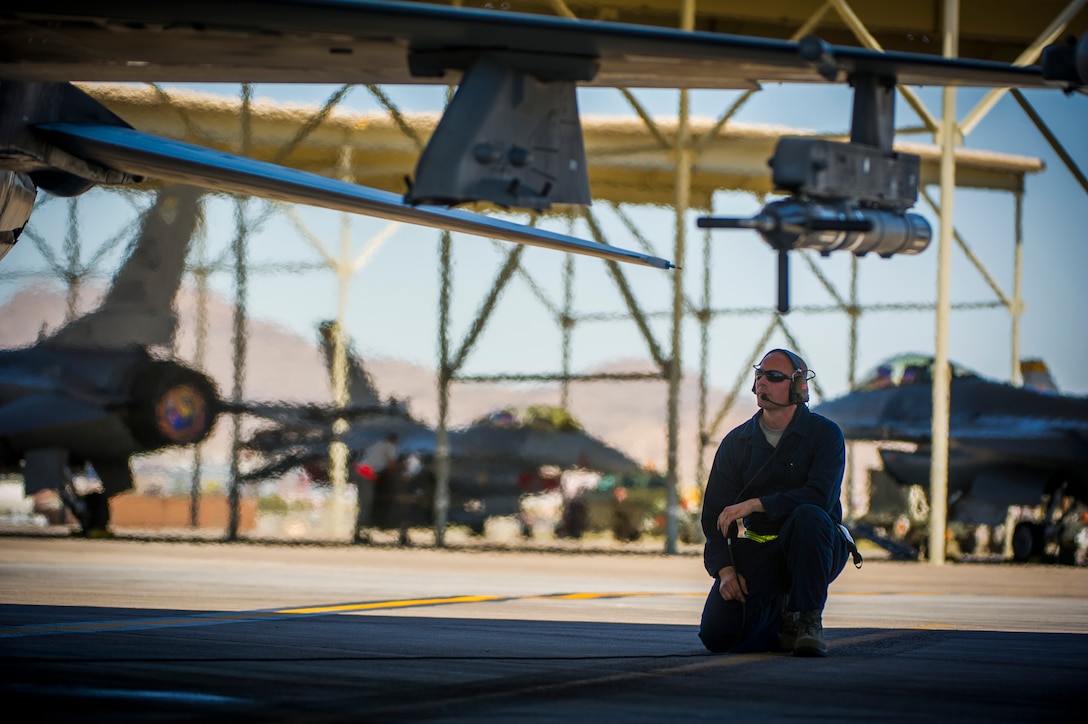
x=799, y=390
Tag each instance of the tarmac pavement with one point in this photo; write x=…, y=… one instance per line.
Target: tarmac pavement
x=135, y=630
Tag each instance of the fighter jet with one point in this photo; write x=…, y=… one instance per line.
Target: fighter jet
x=1008, y=446
x=494, y=461
x=93, y=393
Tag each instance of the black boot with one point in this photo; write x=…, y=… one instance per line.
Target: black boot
x=787, y=634
x=810, y=634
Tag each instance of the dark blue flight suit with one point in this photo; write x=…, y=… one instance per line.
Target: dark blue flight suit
x=799, y=483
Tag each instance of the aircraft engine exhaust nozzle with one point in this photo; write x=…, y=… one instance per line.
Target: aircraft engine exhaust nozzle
x=170, y=404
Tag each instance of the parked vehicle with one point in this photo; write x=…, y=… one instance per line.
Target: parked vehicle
x=629, y=506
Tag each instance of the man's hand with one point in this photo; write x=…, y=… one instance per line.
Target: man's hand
x=731, y=585
x=738, y=511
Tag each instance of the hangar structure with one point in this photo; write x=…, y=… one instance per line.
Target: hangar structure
x=679, y=162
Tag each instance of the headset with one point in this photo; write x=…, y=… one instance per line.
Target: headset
x=799, y=381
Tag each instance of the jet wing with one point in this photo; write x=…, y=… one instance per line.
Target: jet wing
x=360, y=41
x=414, y=436
x=536, y=448
x=303, y=414
x=142, y=154
x=891, y=414
x=576, y=450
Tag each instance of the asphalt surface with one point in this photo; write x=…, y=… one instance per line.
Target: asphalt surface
x=137, y=630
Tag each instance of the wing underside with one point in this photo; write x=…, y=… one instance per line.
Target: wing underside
x=143, y=154
x=358, y=41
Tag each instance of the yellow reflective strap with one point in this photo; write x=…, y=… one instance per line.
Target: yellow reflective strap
x=757, y=537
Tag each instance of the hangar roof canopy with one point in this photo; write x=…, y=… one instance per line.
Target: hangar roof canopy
x=626, y=163
x=997, y=30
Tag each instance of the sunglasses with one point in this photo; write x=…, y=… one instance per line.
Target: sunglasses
x=772, y=375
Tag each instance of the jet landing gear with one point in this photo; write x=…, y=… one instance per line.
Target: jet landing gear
x=1028, y=541
x=1059, y=541
x=92, y=510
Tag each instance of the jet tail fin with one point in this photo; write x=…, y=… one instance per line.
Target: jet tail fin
x=1036, y=375
x=361, y=390
x=138, y=308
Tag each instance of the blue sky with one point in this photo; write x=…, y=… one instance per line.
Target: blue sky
x=394, y=298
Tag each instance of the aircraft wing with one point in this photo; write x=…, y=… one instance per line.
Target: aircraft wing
x=891, y=414
x=536, y=448
x=1012, y=433
x=302, y=414
x=577, y=450
x=361, y=41
x=877, y=430
x=142, y=154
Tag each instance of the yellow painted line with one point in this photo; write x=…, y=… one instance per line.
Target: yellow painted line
x=408, y=603
x=590, y=596
x=207, y=619
x=897, y=593
x=264, y=615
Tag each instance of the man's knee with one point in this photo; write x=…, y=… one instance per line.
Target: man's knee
x=809, y=514
x=720, y=623
x=808, y=521
x=716, y=639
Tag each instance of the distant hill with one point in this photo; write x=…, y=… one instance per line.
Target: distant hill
x=282, y=365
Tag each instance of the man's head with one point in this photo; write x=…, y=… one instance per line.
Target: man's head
x=781, y=380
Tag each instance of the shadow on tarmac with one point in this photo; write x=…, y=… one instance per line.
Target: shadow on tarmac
x=150, y=665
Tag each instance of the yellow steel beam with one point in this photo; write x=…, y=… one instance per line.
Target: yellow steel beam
x=989, y=29
x=626, y=165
